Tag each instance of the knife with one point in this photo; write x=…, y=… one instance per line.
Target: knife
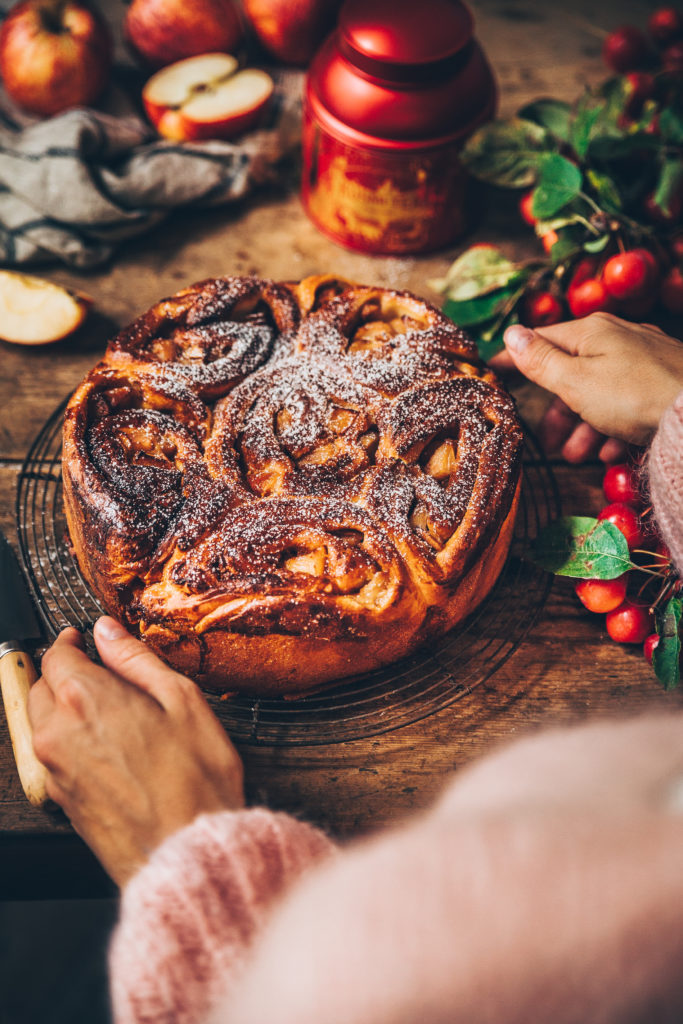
x=17, y=674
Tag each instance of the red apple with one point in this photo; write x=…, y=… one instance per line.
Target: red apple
x=34, y=311
x=164, y=31
x=291, y=30
x=206, y=97
x=54, y=54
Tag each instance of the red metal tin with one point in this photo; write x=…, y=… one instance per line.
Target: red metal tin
x=390, y=99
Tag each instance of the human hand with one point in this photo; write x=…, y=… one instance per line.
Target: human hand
x=562, y=431
x=613, y=381
x=132, y=749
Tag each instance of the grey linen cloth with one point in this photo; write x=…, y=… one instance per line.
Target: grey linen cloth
x=73, y=187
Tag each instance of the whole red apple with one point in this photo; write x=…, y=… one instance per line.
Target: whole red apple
x=291, y=30
x=54, y=54
x=165, y=31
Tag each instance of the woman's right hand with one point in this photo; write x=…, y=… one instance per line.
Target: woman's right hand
x=613, y=379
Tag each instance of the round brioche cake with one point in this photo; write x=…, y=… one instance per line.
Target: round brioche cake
x=278, y=485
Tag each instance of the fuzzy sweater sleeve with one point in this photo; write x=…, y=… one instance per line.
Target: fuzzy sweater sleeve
x=665, y=469
x=544, y=886
x=189, y=916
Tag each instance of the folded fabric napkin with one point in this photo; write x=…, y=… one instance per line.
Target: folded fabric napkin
x=75, y=186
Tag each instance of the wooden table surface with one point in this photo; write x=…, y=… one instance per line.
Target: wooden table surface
x=566, y=670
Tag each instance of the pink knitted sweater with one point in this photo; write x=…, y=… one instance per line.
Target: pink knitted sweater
x=665, y=467
x=474, y=912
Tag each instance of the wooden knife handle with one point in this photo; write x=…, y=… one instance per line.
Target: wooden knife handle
x=17, y=675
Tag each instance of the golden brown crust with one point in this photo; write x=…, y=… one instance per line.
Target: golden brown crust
x=280, y=485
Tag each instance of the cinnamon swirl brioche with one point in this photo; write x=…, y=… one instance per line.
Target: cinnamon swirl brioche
x=278, y=485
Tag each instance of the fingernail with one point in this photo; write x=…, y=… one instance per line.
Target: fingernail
x=110, y=629
x=517, y=338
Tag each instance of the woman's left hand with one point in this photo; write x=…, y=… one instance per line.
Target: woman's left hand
x=132, y=749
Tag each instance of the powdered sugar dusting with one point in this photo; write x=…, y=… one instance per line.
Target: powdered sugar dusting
x=350, y=453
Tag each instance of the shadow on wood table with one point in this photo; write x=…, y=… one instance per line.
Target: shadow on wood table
x=53, y=961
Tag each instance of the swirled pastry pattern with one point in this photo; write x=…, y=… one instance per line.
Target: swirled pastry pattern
x=279, y=485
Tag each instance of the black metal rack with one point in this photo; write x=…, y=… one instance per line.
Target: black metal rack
x=377, y=702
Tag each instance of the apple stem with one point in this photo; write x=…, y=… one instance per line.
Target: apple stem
x=52, y=13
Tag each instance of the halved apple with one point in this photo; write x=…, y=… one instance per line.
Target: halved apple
x=34, y=311
x=206, y=97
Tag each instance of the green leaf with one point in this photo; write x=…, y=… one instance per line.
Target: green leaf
x=671, y=123
x=616, y=93
x=568, y=244
x=633, y=178
x=481, y=269
x=559, y=182
x=583, y=548
x=605, y=189
x=666, y=658
x=669, y=185
x=583, y=122
x=480, y=309
x=608, y=146
x=551, y=114
x=600, y=131
x=648, y=117
x=594, y=245
x=507, y=153
x=490, y=341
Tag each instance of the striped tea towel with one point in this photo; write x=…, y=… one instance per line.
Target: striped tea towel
x=76, y=185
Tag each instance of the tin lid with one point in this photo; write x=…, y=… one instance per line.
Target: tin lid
x=401, y=71
x=389, y=33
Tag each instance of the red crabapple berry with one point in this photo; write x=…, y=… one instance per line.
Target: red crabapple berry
x=671, y=291
x=590, y=296
x=651, y=642
x=620, y=485
x=625, y=49
x=525, y=208
x=657, y=215
x=625, y=519
x=629, y=623
x=541, y=309
x=672, y=57
x=549, y=239
x=602, y=595
x=653, y=127
x=642, y=88
x=665, y=24
x=638, y=306
x=637, y=309
x=627, y=275
x=650, y=259
x=676, y=246
x=585, y=268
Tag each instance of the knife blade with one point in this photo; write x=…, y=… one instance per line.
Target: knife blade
x=18, y=623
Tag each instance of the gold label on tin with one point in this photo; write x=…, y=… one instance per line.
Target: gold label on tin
x=345, y=204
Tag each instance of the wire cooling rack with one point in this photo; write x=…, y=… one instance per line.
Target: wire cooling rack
x=366, y=705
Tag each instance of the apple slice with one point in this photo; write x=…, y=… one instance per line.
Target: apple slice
x=229, y=109
x=169, y=88
x=34, y=311
x=206, y=97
